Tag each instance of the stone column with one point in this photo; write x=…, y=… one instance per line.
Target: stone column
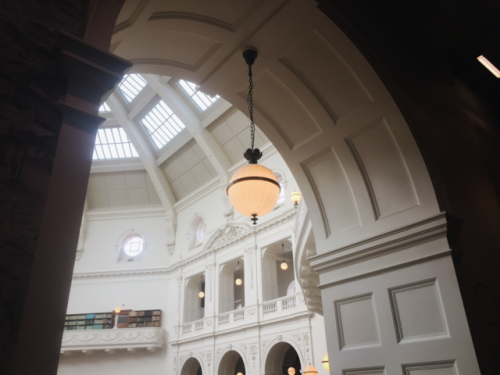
x=90, y=74
x=251, y=282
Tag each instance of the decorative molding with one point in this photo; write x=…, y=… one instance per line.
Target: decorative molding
x=427, y=230
x=420, y=367
x=194, y=17
x=133, y=17
x=201, y=192
x=167, y=15
x=331, y=113
x=122, y=273
x=126, y=213
x=136, y=338
x=287, y=215
x=178, y=64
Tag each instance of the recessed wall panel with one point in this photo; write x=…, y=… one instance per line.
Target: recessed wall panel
x=283, y=110
x=417, y=311
x=383, y=168
x=356, y=322
x=333, y=192
x=318, y=65
x=432, y=368
x=365, y=371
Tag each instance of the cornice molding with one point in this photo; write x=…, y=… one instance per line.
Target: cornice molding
x=285, y=216
x=112, y=339
x=201, y=192
x=126, y=213
x=433, y=228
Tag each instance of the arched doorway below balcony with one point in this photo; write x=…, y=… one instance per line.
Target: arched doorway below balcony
x=231, y=364
x=281, y=357
x=191, y=367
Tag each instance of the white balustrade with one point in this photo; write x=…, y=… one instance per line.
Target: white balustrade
x=280, y=304
x=198, y=326
x=239, y=315
x=270, y=307
x=288, y=303
x=224, y=318
x=186, y=328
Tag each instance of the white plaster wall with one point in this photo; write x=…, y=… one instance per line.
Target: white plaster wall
x=100, y=283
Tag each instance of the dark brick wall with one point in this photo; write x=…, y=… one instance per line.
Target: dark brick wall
x=30, y=87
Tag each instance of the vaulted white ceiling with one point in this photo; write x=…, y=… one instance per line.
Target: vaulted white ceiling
x=211, y=142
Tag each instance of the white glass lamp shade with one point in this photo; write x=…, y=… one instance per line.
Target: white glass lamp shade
x=295, y=197
x=291, y=371
x=284, y=266
x=201, y=294
x=253, y=190
x=310, y=370
x=238, y=281
x=117, y=310
x=239, y=373
x=326, y=363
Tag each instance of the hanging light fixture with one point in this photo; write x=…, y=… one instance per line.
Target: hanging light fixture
x=284, y=266
x=238, y=281
x=202, y=293
x=117, y=310
x=295, y=198
x=326, y=362
x=291, y=371
x=253, y=189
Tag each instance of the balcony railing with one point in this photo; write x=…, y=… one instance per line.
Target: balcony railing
x=198, y=326
x=280, y=304
x=224, y=318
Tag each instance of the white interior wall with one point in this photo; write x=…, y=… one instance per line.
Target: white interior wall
x=152, y=281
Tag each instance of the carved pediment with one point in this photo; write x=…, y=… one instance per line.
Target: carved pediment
x=230, y=233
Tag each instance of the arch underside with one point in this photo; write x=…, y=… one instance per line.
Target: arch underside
x=191, y=367
x=316, y=98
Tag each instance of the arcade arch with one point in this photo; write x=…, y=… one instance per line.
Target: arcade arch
x=192, y=367
x=341, y=134
x=231, y=361
x=280, y=358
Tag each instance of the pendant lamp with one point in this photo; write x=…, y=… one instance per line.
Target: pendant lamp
x=238, y=281
x=202, y=293
x=284, y=266
x=253, y=189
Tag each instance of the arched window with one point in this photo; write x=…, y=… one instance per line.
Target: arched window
x=282, y=181
x=196, y=232
x=131, y=246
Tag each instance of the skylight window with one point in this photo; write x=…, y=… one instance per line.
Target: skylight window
x=104, y=108
x=162, y=124
x=203, y=101
x=131, y=85
x=113, y=143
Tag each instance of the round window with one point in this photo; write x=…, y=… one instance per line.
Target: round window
x=133, y=246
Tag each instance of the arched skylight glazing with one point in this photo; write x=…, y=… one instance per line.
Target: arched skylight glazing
x=131, y=85
x=113, y=143
x=202, y=100
x=162, y=124
x=104, y=108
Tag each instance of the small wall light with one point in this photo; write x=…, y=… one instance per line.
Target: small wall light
x=310, y=370
x=201, y=294
x=291, y=371
x=295, y=197
x=326, y=363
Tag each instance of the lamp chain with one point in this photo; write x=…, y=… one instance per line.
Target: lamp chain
x=250, y=105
